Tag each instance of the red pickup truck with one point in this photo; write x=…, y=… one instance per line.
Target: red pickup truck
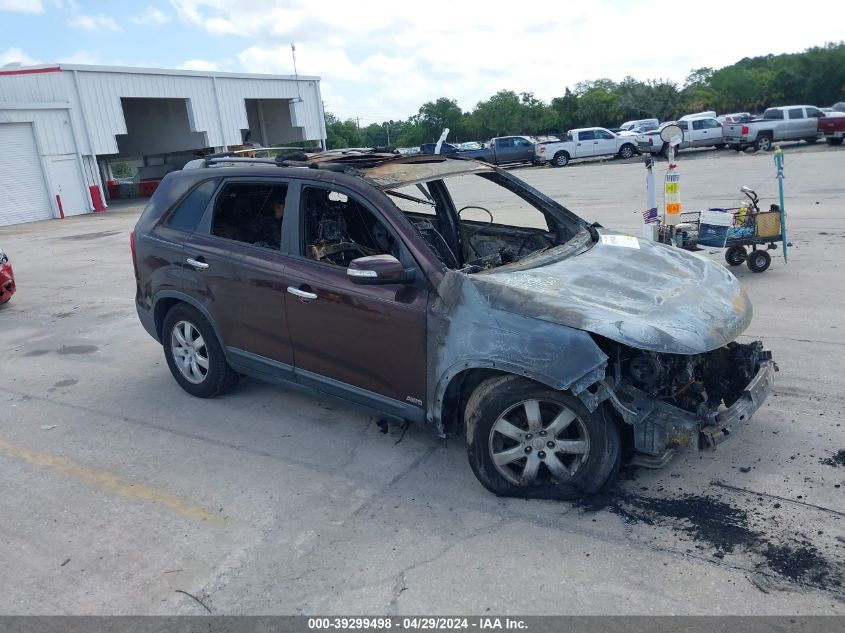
x=833, y=128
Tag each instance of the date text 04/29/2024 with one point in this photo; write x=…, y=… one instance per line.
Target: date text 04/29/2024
x=416, y=623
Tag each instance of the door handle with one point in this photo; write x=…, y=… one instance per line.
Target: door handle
x=302, y=294
x=196, y=263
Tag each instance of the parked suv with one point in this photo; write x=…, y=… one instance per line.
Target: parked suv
x=448, y=292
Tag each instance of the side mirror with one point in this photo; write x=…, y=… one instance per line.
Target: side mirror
x=378, y=269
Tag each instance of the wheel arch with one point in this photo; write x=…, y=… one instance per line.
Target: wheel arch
x=165, y=300
x=564, y=152
x=458, y=383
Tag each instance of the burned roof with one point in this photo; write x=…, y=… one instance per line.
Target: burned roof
x=384, y=169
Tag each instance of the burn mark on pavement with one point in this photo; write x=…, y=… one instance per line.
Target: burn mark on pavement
x=837, y=459
x=90, y=236
x=77, y=349
x=37, y=352
x=66, y=383
x=715, y=523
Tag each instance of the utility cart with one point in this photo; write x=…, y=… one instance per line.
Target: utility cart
x=736, y=229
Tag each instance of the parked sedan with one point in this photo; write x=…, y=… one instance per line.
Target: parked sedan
x=7, y=277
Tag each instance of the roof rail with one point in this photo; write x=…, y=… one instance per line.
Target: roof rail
x=223, y=158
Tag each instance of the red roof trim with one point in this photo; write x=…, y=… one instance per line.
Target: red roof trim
x=31, y=71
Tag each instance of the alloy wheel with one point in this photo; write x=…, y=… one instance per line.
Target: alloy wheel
x=537, y=441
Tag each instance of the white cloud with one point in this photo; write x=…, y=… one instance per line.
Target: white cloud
x=151, y=16
x=22, y=6
x=94, y=22
x=384, y=59
x=198, y=64
x=16, y=56
x=81, y=57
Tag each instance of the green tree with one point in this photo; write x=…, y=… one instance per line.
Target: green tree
x=341, y=134
x=598, y=102
x=566, y=112
x=435, y=116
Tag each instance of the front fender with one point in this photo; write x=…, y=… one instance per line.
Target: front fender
x=465, y=332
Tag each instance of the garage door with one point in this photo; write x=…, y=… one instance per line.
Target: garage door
x=23, y=192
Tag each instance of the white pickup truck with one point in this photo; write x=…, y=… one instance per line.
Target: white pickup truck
x=787, y=123
x=587, y=142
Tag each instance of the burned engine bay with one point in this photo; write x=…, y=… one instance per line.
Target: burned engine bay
x=674, y=399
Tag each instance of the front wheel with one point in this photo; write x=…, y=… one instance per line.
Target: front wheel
x=194, y=355
x=834, y=141
x=735, y=255
x=758, y=261
x=527, y=440
x=627, y=151
x=811, y=139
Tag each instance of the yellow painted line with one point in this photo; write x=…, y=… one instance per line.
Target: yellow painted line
x=110, y=482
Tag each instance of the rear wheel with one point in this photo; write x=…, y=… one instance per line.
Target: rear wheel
x=763, y=143
x=527, y=440
x=811, y=139
x=194, y=355
x=561, y=159
x=735, y=255
x=834, y=141
x=758, y=261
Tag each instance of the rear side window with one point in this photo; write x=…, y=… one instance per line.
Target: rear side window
x=589, y=135
x=188, y=213
x=796, y=113
x=251, y=213
x=773, y=114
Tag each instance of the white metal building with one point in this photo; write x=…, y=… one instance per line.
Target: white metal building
x=63, y=125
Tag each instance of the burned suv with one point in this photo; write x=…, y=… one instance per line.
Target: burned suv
x=447, y=292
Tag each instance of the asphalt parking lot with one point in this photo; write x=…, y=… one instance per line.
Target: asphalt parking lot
x=121, y=492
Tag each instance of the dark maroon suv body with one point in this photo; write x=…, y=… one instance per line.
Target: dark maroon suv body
x=541, y=341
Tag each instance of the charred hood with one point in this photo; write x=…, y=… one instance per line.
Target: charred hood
x=645, y=295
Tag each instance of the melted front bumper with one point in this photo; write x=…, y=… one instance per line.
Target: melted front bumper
x=752, y=398
x=660, y=428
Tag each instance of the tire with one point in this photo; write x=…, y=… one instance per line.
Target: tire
x=763, y=142
x=758, y=261
x=811, y=139
x=183, y=325
x=735, y=255
x=834, y=141
x=720, y=146
x=561, y=159
x=627, y=151
x=591, y=443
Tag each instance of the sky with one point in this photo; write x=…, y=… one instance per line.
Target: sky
x=381, y=60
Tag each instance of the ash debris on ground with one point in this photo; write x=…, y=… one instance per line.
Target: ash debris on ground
x=715, y=523
x=837, y=459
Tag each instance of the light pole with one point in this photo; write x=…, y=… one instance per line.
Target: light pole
x=387, y=124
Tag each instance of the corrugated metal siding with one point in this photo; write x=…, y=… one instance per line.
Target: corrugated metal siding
x=38, y=88
x=100, y=93
x=51, y=126
x=22, y=181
